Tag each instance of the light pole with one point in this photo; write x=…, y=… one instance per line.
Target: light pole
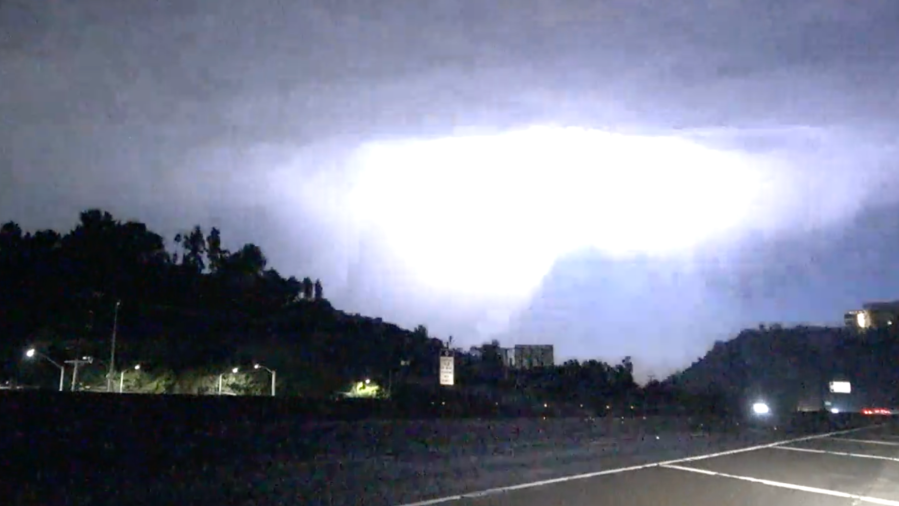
x=122, y=378
x=75, y=365
x=271, y=371
x=62, y=370
x=222, y=375
x=115, y=327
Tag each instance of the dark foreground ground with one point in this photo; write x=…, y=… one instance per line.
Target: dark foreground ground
x=119, y=450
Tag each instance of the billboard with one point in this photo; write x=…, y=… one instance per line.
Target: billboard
x=447, y=370
x=840, y=387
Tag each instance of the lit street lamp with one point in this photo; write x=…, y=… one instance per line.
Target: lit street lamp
x=62, y=370
x=271, y=371
x=222, y=375
x=122, y=378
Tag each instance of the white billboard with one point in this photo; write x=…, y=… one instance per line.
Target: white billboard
x=447, y=371
x=840, y=387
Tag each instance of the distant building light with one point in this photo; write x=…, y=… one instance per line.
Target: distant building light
x=840, y=387
x=862, y=319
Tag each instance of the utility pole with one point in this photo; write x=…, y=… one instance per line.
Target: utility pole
x=111, y=371
x=75, y=365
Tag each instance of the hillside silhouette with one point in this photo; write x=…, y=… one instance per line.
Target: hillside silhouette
x=190, y=313
x=794, y=365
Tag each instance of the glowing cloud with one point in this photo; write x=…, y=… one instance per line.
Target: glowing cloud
x=488, y=215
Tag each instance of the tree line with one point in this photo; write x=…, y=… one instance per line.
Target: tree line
x=192, y=313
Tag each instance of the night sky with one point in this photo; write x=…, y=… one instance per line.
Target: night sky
x=615, y=177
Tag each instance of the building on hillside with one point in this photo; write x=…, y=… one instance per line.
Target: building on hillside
x=508, y=357
x=873, y=315
x=521, y=356
x=528, y=356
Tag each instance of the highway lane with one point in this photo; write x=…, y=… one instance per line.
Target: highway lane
x=395, y=463
x=846, y=468
x=404, y=476
x=276, y=475
x=375, y=463
x=409, y=477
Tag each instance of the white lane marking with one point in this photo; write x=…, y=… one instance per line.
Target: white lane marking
x=563, y=479
x=868, y=441
x=790, y=486
x=842, y=454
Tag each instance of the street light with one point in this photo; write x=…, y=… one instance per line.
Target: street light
x=62, y=370
x=222, y=375
x=760, y=408
x=271, y=371
x=122, y=378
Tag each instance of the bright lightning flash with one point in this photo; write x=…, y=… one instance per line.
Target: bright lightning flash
x=489, y=215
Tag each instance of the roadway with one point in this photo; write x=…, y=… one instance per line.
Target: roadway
x=855, y=467
x=131, y=460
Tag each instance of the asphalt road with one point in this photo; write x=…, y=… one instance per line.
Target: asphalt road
x=147, y=457
x=846, y=468
x=457, y=470
x=415, y=461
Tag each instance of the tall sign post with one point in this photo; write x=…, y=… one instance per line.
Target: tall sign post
x=447, y=365
x=447, y=370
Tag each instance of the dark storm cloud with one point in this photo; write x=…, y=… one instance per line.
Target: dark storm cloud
x=246, y=114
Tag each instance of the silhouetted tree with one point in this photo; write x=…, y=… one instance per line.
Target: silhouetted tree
x=308, y=288
x=294, y=288
x=95, y=220
x=319, y=290
x=10, y=236
x=491, y=361
x=249, y=260
x=194, y=246
x=215, y=254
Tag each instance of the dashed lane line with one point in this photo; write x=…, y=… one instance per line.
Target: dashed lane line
x=563, y=479
x=842, y=454
x=789, y=486
x=867, y=441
